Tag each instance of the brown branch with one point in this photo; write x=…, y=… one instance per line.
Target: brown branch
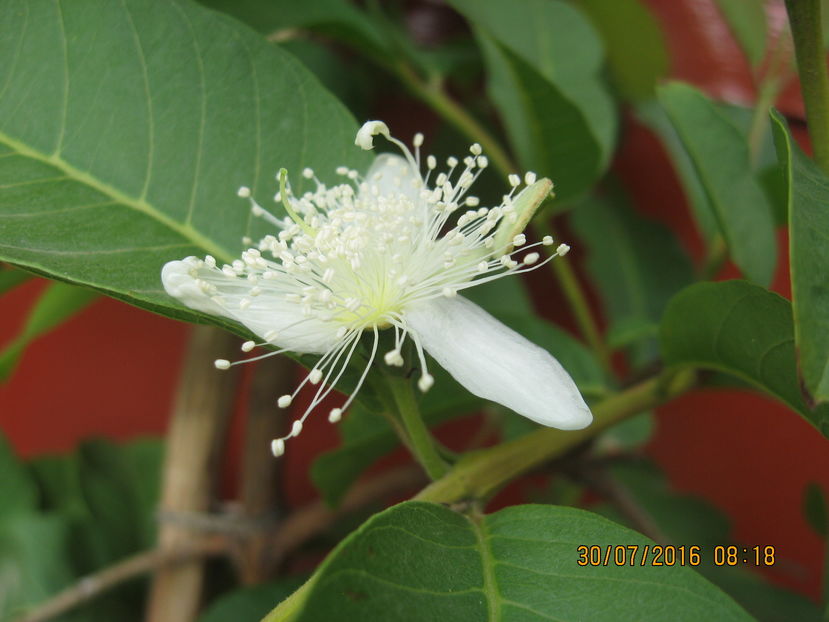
x=95, y=584
x=260, y=477
x=194, y=444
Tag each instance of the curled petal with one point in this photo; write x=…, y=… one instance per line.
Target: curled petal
x=267, y=315
x=366, y=134
x=496, y=363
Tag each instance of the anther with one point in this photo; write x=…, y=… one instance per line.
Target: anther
x=248, y=346
x=514, y=180
x=530, y=259
x=425, y=382
x=315, y=376
x=519, y=240
x=393, y=357
x=417, y=141
x=296, y=428
x=529, y=178
x=221, y=364
x=307, y=173
x=284, y=401
x=547, y=240
x=243, y=192
x=335, y=415
x=475, y=149
x=562, y=250
x=277, y=447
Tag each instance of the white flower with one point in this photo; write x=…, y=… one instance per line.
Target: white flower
x=390, y=250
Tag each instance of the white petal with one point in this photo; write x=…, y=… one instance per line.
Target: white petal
x=263, y=314
x=392, y=176
x=498, y=364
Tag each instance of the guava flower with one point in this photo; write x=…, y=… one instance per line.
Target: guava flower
x=390, y=251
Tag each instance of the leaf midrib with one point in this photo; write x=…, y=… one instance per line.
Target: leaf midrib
x=139, y=205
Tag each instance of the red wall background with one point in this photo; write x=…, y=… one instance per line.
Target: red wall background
x=111, y=370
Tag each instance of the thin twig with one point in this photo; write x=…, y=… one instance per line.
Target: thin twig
x=304, y=524
x=95, y=584
x=596, y=477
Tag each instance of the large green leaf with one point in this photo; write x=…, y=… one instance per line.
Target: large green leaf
x=558, y=42
x=720, y=156
x=422, y=562
x=637, y=264
x=337, y=18
x=636, y=50
x=126, y=128
x=741, y=329
x=807, y=194
x=56, y=304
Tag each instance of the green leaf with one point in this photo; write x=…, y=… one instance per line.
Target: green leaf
x=720, y=156
x=741, y=329
x=56, y=304
x=689, y=521
x=422, y=562
x=636, y=51
x=18, y=490
x=814, y=509
x=554, y=39
x=33, y=561
x=637, y=264
x=747, y=21
x=11, y=278
x=249, y=604
x=126, y=129
x=655, y=117
x=549, y=133
x=807, y=193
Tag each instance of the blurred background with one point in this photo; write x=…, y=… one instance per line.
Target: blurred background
x=734, y=465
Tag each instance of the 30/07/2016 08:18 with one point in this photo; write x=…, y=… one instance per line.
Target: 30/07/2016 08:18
x=670, y=555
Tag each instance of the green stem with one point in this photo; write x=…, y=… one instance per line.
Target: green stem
x=769, y=90
x=421, y=443
x=480, y=474
x=577, y=300
x=432, y=93
x=715, y=258
x=805, y=20
x=291, y=606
